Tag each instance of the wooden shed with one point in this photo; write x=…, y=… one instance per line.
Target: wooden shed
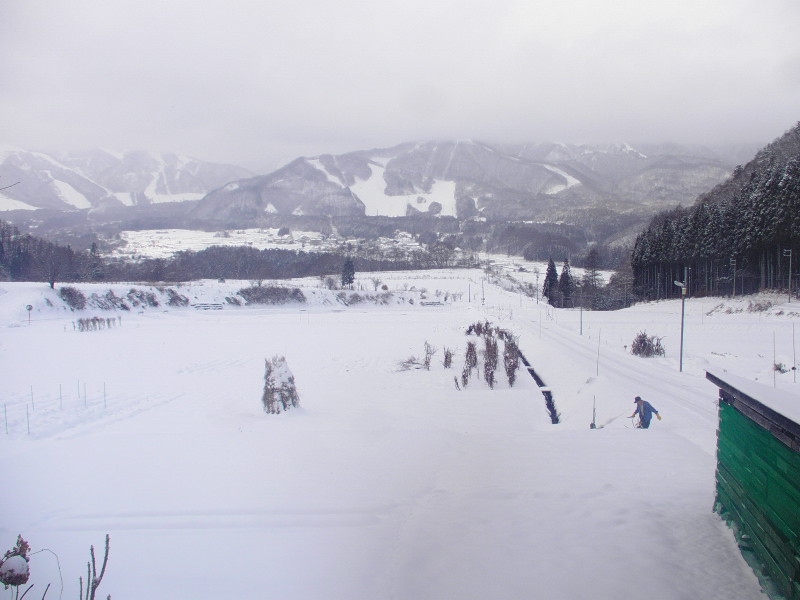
x=758, y=477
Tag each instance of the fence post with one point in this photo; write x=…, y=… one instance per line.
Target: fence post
x=28, y=419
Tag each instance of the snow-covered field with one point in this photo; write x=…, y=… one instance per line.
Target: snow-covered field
x=385, y=483
x=164, y=243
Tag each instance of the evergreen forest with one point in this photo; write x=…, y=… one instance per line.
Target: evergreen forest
x=740, y=238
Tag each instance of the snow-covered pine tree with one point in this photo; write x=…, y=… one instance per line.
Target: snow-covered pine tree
x=739, y=233
x=550, y=285
x=280, y=391
x=566, y=285
x=348, y=273
x=592, y=281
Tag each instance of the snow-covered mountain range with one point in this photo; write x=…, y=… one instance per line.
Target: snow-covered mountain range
x=467, y=178
x=98, y=178
x=463, y=179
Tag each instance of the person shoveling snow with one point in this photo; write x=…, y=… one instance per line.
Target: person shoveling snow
x=645, y=410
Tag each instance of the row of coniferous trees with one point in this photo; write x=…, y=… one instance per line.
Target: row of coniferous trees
x=741, y=237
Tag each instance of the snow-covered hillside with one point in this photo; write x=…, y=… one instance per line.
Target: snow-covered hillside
x=384, y=483
x=91, y=179
x=466, y=178
x=372, y=192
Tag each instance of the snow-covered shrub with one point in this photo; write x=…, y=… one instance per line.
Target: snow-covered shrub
x=14, y=570
x=470, y=362
x=479, y=328
x=108, y=301
x=115, y=301
x=490, y=354
x=383, y=298
x=511, y=360
x=280, y=392
x=448, y=358
x=429, y=352
x=412, y=362
x=95, y=323
x=233, y=300
x=271, y=295
x=73, y=297
x=139, y=297
x=92, y=578
x=647, y=345
x=759, y=306
x=780, y=368
x=176, y=299
x=329, y=283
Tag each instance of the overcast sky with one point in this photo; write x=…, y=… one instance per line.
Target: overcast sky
x=260, y=82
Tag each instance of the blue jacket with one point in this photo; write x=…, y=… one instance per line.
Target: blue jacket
x=646, y=411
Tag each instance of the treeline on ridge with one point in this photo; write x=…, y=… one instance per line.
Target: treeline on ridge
x=738, y=238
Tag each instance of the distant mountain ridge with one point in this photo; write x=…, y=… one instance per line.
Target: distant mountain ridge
x=466, y=179
x=554, y=182
x=95, y=179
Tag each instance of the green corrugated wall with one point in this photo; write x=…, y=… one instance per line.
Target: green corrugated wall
x=758, y=489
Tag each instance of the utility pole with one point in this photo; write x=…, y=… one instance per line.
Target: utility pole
x=683, y=306
x=687, y=271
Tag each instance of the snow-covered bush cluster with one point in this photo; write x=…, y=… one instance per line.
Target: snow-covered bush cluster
x=95, y=323
x=646, y=345
x=73, y=297
x=491, y=352
x=271, y=295
x=351, y=298
x=176, y=299
x=140, y=297
x=280, y=392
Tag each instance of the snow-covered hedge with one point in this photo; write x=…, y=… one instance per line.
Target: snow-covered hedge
x=271, y=295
